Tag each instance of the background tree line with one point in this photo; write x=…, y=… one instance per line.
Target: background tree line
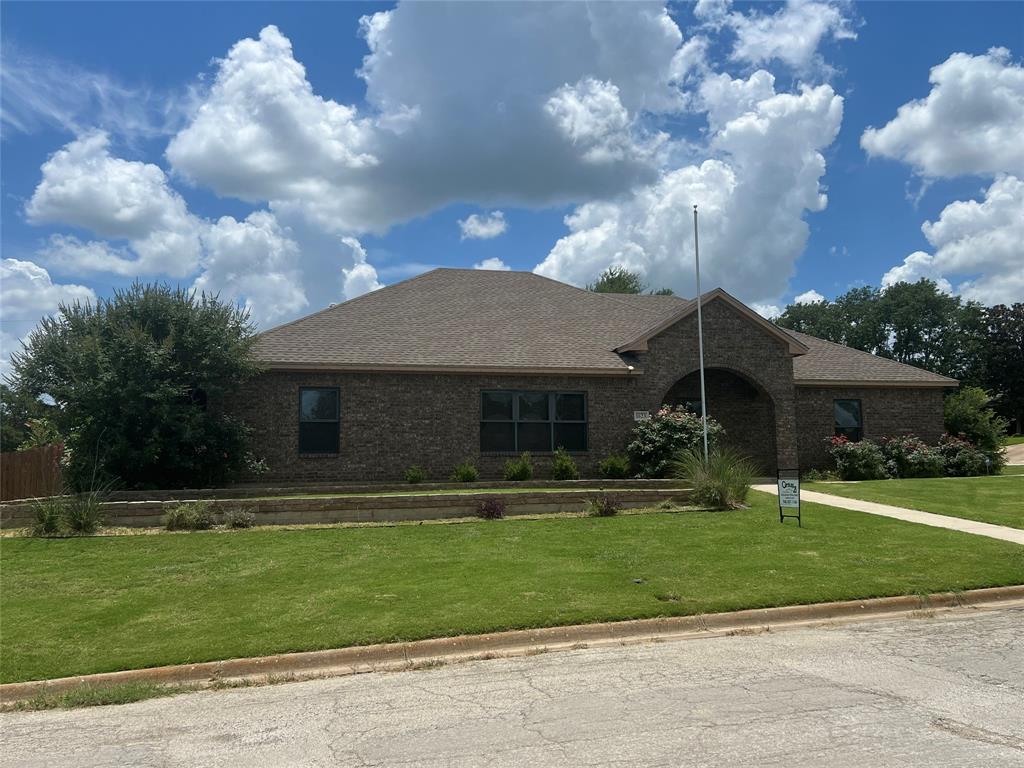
x=918, y=324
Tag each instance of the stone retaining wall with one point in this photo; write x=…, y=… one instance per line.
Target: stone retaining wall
x=352, y=509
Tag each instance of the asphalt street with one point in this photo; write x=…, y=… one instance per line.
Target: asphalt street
x=941, y=690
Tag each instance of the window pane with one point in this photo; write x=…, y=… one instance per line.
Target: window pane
x=570, y=408
x=497, y=436
x=533, y=406
x=318, y=405
x=847, y=413
x=534, y=436
x=496, y=405
x=572, y=437
x=318, y=437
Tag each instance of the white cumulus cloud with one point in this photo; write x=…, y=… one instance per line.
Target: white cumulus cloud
x=970, y=123
x=752, y=193
x=981, y=243
x=361, y=277
x=494, y=263
x=84, y=186
x=27, y=293
x=791, y=34
x=808, y=297
x=483, y=227
x=253, y=262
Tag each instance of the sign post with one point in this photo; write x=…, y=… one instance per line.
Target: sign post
x=789, y=494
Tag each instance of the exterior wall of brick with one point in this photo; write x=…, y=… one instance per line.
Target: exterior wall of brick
x=887, y=412
x=390, y=421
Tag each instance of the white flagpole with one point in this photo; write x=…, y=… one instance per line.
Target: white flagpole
x=700, y=339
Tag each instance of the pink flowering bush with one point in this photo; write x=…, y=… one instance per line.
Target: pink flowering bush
x=909, y=456
x=658, y=441
x=862, y=460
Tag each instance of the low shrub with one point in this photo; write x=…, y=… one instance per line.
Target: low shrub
x=720, y=482
x=603, y=505
x=909, y=456
x=83, y=513
x=492, y=508
x=466, y=472
x=239, y=518
x=415, y=474
x=519, y=468
x=671, y=431
x=190, y=516
x=563, y=467
x=968, y=415
x=615, y=467
x=961, y=459
x=862, y=460
x=48, y=516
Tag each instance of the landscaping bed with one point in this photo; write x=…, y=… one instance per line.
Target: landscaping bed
x=83, y=605
x=998, y=499
x=386, y=506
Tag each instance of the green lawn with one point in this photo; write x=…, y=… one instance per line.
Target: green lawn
x=1013, y=469
x=1015, y=440
x=998, y=500
x=75, y=606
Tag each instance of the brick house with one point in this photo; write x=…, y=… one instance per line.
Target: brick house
x=466, y=364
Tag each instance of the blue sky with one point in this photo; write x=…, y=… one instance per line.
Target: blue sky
x=616, y=116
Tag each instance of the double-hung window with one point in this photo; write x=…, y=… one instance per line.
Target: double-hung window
x=516, y=421
x=319, y=420
x=849, y=419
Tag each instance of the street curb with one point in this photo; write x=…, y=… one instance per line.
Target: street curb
x=423, y=653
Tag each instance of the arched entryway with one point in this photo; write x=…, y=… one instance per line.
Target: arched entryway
x=742, y=407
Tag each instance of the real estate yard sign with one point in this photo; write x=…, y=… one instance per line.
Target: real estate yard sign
x=789, y=494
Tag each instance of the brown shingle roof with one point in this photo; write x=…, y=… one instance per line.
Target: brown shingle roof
x=467, y=319
x=827, y=362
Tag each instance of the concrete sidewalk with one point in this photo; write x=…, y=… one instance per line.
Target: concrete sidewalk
x=1002, y=532
x=1015, y=454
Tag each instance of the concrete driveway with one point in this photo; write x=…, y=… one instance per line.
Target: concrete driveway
x=1015, y=454
x=942, y=690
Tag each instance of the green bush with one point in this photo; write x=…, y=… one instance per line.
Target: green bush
x=862, y=460
x=190, y=516
x=818, y=475
x=603, y=505
x=491, y=509
x=961, y=459
x=83, y=513
x=615, y=467
x=466, y=472
x=909, y=456
x=721, y=482
x=520, y=468
x=671, y=431
x=563, y=467
x=239, y=518
x=48, y=516
x=415, y=474
x=968, y=416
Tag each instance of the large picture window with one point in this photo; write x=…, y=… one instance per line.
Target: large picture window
x=849, y=421
x=533, y=421
x=319, y=420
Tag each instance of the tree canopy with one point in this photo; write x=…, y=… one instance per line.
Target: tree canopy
x=140, y=382
x=918, y=324
x=621, y=280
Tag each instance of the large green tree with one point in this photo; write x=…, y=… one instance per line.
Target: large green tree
x=621, y=280
x=140, y=383
x=1004, y=361
x=18, y=409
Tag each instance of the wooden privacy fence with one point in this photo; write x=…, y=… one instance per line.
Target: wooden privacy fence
x=31, y=473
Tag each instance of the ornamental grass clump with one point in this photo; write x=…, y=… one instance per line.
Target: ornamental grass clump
x=48, y=516
x=720, y=482
x=603, y=505
x=491, y=509
x=415, y=474
x=563, y=467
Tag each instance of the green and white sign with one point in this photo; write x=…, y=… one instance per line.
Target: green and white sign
x=789, y=492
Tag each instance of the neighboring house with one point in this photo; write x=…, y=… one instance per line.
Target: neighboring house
x=466, y=364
